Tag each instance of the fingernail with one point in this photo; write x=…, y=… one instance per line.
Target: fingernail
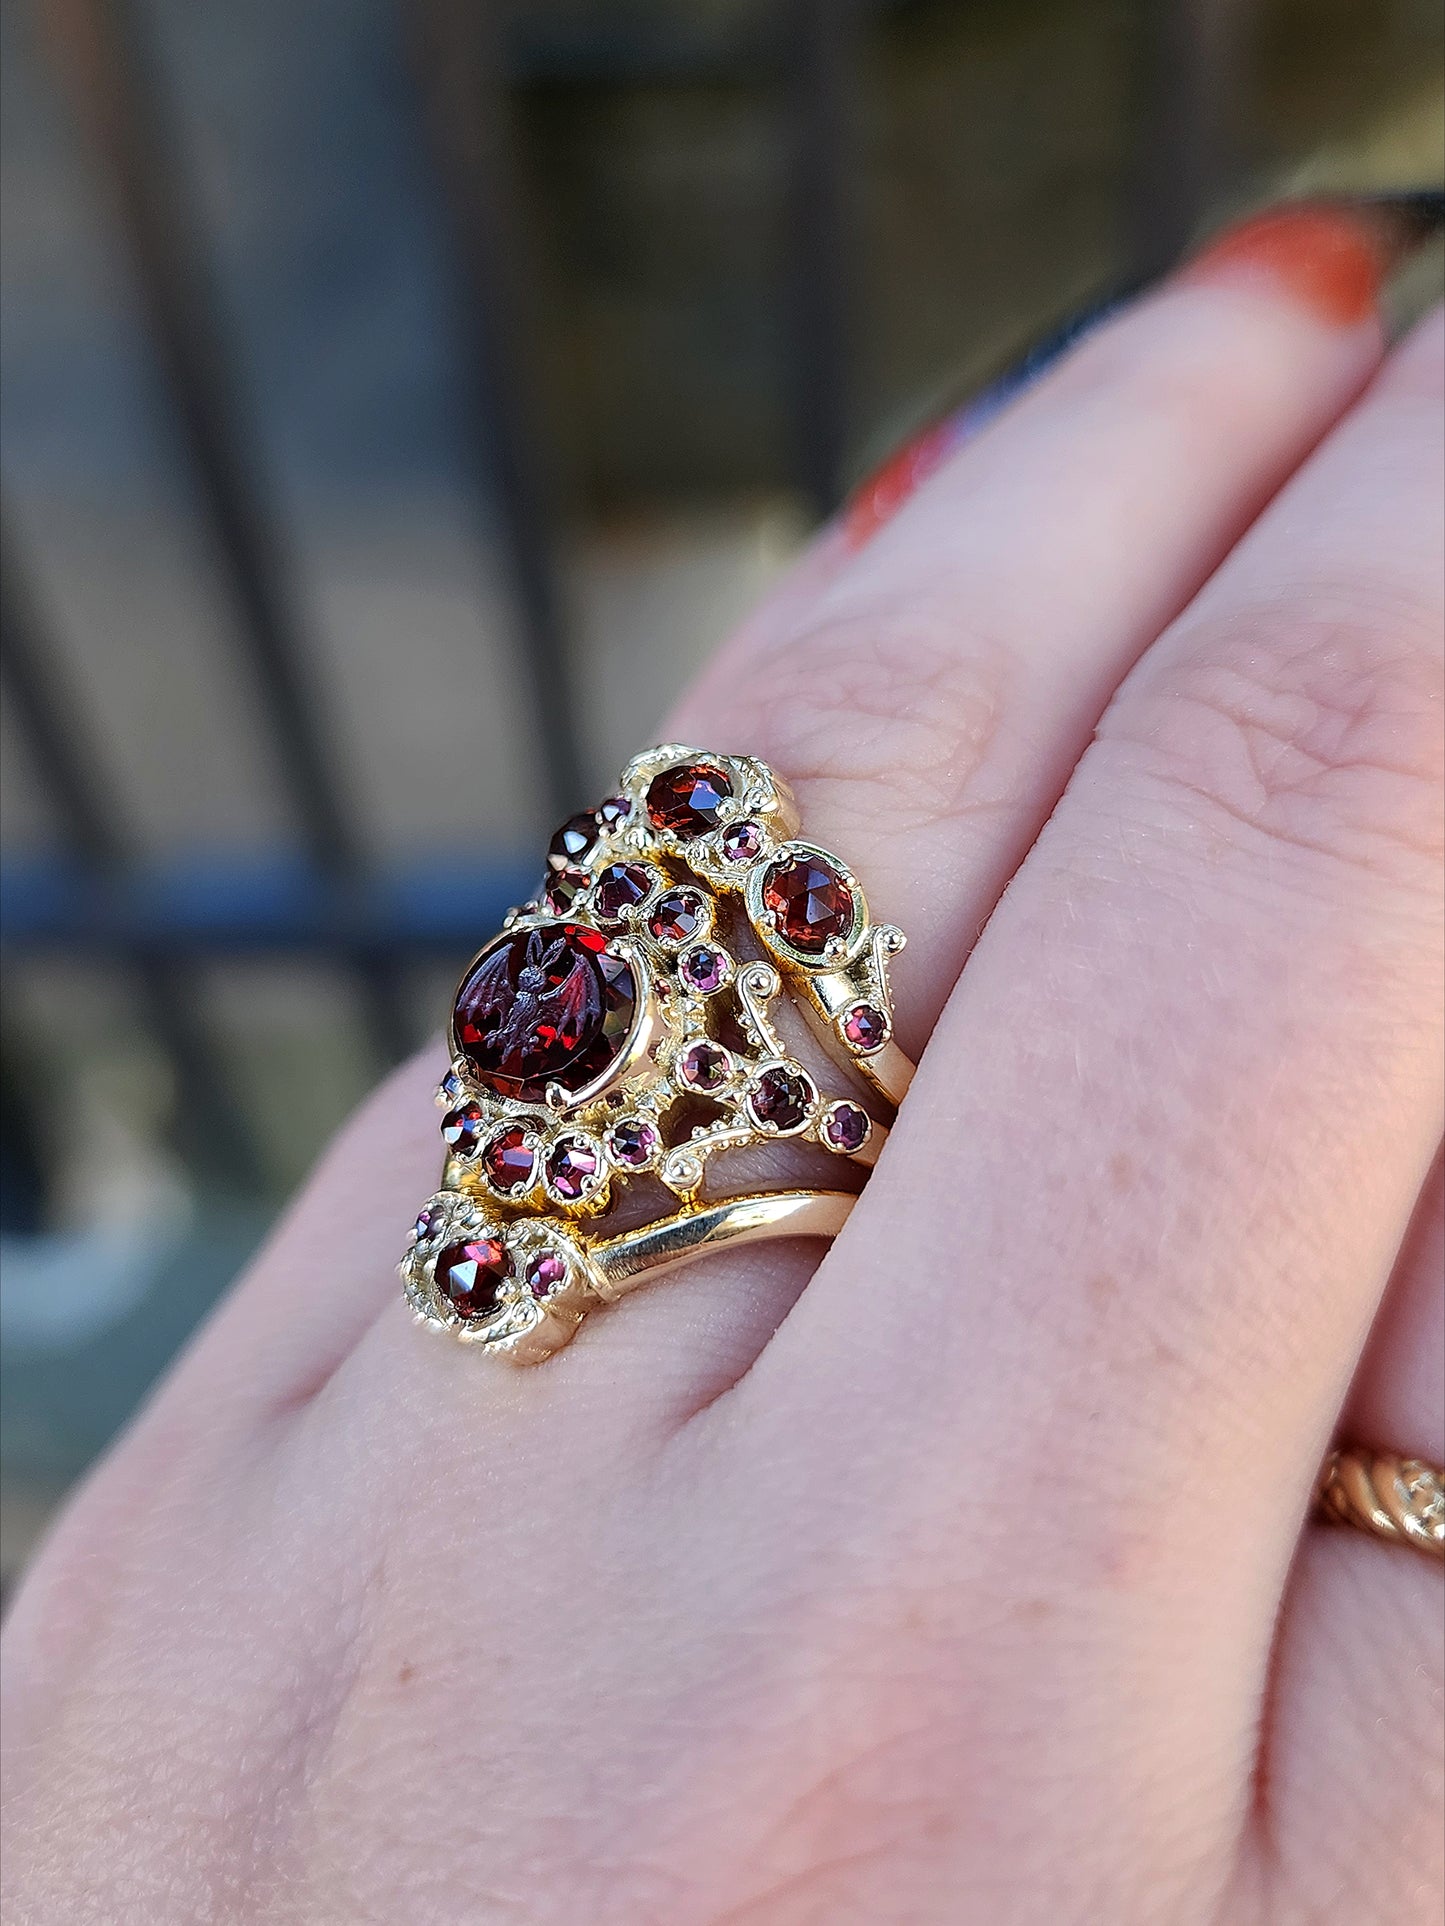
x=1332, y=257
x=878, y=499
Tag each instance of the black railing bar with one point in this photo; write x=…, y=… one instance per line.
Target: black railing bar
x=119, y=99
x=821, y=99
x=207, y=1125
x=457, y=54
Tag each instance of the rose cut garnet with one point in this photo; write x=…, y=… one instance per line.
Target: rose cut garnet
x=621, y=886
x=676, y=916
x=687, y=799
x=807, y=902
x=470, y=1276
x=462, y=1128
x=572, y=1168
x=615, y=810
x=742, y=842
x=563, y=888
x=705, y=1066
x=573, y=843
x=509, y=1160
x=846, y=1127
x=781, y=1098
x=703, y=970
x=545, y=1272
x=633, y=1142
x=541, y=1006
x=865, y=1029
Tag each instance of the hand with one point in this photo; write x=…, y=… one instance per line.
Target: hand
x=962, y=1576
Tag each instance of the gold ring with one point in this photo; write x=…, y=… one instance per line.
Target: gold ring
x=1402, y=1499
x=621, y=1035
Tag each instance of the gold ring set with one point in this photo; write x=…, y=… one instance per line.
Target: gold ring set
x=633, y=1030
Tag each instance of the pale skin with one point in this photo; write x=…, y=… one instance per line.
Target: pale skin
x=963, y=1575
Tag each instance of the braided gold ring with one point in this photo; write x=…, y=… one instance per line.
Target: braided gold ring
x=1401, y=1499
x=625, y=1032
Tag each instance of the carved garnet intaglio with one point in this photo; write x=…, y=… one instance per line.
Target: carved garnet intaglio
x=618, y=1033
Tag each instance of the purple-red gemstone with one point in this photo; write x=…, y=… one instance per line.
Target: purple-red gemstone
x=563, y=888
x=615, y=810
x=865, y=1029
x=545, y=1272
x=422, y=1227
x=676, y=915
x=509, y=1160
x=621, y=886
x=451, y=1086
x=703, y=970
x=546, y=1005
x=462, y=1128
x=846, y=1127
x=572, y=1167
x=742, y=842
x=705, y=1066
x=687, y=799
x=781, y=1098
x=807, y=902
x=470, y=1277
x=633, y=1142
x=573, y=843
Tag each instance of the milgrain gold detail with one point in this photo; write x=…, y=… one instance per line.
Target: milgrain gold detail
x=1401, y=1499
x=669, y=881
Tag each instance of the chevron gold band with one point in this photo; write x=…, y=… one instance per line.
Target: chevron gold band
x=1402, y=1499
x=628, y=1030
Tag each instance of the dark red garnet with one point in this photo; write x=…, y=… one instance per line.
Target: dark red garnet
x=573, y=843
x=807, y=902
x=470, y=1276
x=621, y=886
x=564, y=886
x=462, y=1128
x=542, y=1006
x=781, y=1098
x=676, y=916
x=687, y=799
x=509, y=1160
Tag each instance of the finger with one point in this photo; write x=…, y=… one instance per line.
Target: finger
x=1397, y=1402
x=1111, y=1279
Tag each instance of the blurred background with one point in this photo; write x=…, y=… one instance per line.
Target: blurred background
x=400, y=397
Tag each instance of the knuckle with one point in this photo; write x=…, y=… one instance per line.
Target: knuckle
x=1321, y=731
x=896, y=702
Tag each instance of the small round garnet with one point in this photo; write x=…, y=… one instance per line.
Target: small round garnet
x=451, y=1087
x=846, y=1127
x=470, y=1276
x=509, y=1160
x=573, y=1165
x=687, y=799
x=705, y=1066
x=545, y=1005
x=462, y=1128
x=807, y=901
x=615, y=810
x=545, y=1272
x=703, y=969
x=620, y=887
x=781, y=1098
x=422, y=1227
x=677, y=915
x=865, y=1029
x=633, y=1142
x=574, y=842
x=563, y=888
x=742, y=842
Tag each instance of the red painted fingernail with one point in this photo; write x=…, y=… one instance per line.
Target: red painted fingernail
x=878, y=499
x=1331, y=259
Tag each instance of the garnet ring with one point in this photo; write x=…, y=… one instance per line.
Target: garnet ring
x=633, y=1029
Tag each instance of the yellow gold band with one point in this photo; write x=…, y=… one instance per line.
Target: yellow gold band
x=1401, y=1499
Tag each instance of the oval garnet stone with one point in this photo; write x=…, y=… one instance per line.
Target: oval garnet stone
x=687, y=799
x=619, y=887
x=470, y=1276
x=546, y=1005
x=807, y=902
